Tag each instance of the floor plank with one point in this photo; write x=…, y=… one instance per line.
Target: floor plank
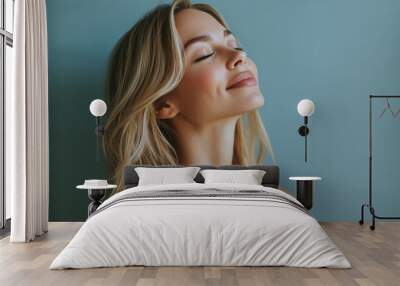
x=374, y=255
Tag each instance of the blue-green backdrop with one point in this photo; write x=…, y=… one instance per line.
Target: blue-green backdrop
x=333, y=52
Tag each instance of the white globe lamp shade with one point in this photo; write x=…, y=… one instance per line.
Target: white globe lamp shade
x=98, y=107
x=305, y=107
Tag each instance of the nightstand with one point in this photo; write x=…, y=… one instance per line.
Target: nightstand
x=304, y=190
x=96, y=195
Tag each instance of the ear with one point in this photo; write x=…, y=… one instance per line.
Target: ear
x=166, y=109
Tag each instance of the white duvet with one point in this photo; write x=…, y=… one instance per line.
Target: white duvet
x=200, y=231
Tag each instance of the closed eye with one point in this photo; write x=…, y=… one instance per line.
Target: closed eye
x=209, y=55
x=204, y=57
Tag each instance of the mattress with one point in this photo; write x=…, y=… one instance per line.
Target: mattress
x=201, y=225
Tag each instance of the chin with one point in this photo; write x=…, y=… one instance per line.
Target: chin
x=253, y=101
x=249, y=97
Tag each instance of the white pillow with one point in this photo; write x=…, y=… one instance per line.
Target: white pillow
x=248, y=177
x=162, y=176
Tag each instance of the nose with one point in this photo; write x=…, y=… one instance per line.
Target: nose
x=238, y=57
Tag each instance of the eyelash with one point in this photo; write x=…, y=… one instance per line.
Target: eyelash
x=207, y=56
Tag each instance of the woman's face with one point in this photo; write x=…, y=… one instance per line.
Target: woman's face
x=212, y=64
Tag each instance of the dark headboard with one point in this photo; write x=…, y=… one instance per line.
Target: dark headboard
x=270, y=179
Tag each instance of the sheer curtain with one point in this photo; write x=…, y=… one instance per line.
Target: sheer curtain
x=27, y=147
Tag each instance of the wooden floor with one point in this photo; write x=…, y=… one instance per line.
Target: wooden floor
x=374, y=255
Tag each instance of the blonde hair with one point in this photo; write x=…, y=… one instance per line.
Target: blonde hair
x=147, y=63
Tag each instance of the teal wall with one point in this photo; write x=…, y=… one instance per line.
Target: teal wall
x=333, y=52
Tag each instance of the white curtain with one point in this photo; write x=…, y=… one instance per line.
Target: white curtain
x=27, y=147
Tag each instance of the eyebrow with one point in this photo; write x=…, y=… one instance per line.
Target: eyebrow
x=204, y=38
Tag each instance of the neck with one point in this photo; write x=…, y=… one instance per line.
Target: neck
x=210, y=144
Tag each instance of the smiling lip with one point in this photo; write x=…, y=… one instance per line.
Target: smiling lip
x=243, y=79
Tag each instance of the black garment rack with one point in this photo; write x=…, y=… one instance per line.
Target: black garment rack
x=369, y=204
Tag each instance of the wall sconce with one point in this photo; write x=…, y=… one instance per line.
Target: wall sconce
x=305, y=108
x=98, y=108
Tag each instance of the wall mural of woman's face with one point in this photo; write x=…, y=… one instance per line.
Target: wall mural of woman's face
x=212, y=65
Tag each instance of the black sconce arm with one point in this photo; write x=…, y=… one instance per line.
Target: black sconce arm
x=99, y=131
x=304, y=131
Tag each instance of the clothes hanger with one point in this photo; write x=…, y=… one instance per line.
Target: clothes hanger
x=397, y=113
x=387, y=107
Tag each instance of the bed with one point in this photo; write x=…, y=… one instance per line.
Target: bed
x=201, y=224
